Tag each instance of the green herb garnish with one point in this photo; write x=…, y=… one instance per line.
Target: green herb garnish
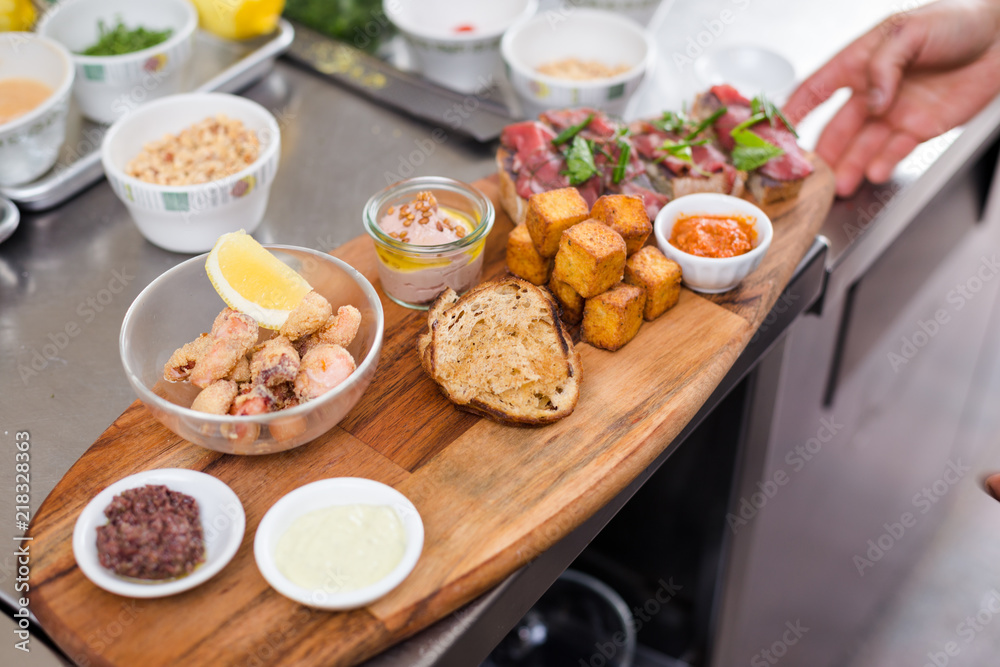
x=121, y=40
x=571, y=131
x=682, y=149
x=762, y=105
x=700, y=127
x=671, y=122
x=751, y=151
x=624, y=152
x=580, y=161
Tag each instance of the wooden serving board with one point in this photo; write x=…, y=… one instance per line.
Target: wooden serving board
x=492, y=497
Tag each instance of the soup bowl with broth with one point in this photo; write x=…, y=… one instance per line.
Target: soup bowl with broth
x=36, y=75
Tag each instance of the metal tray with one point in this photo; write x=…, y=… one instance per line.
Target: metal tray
x=216, y=65
x=388, y=78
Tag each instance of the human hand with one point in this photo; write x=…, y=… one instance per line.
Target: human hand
x=912, y=77
x=993, y=485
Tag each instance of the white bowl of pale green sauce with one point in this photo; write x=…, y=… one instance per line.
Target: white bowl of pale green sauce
x=339, y=543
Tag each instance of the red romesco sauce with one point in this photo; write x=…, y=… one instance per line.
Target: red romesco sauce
x=713, y=235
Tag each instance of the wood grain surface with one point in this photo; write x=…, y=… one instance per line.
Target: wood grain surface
x=492, y=497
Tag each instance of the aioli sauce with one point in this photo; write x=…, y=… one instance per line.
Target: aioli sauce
x=341, y=548
x=715, y=236
x=19, y=96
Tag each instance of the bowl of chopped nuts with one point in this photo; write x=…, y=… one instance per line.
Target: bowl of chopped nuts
x=193, y=167
x=124, y=52
x=587, y=57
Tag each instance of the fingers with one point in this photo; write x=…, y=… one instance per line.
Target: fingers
x=847, y=69
x=993, y=485
x=898, y=147
x=899, y=50
x=817, y=89
x=839, y=132
x=850, y=170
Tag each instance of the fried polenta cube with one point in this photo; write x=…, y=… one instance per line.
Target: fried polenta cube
x=550, y=214
x=660, y=277
x=613, y=318
x=523, y=259
x=571, y=302
x=626, y=214
x=591, y=258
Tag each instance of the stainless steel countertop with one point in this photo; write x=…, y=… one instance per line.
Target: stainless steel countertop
x=67, y=276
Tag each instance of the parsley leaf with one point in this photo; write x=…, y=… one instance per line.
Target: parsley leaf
x=750, y=151
x=580, y=161
x=571, y=131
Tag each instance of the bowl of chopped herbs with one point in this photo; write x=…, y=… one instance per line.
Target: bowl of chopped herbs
x=125, y=52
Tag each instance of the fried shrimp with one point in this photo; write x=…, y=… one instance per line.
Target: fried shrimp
x=312, y=313
x=233, y=334
x=257, y=401
x=241, y=371
x=216, y=398
x=179, y=366
x=323, y=367
x=276, y=361
x=340, y=330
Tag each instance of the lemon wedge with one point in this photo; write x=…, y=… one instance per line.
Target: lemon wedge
x=239, y=19
x=253, y=281
x=16, y=15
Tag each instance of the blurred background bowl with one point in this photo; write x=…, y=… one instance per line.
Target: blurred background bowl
x=712, y=275
x=190, y=218
x=456, y=43
x=753, y=70
x=29, y=144
x=181, y=304
x=640, y=11
x=107, y=87
x=584, y=34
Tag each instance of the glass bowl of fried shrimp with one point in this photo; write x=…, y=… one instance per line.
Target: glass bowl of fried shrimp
x=213, y=377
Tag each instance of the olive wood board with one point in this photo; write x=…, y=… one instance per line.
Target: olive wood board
x=492, y=497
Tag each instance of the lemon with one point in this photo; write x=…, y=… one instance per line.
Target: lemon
x=16, y=15
x=239, y=19
x=253, y=281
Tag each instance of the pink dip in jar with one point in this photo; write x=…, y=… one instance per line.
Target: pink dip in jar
x=429, y=234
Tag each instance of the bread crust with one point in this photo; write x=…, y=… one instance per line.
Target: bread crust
x=563, y=355
x=515, y=205
x=767, y=190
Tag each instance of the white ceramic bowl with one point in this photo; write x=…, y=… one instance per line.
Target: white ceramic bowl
x=107, y=87
x=751, y=69
x=328, y=493
x=709, y=274
x=586, y=34
x=222, y=520
x=640, y=11
x=190, y=218
x=29, y=144
x=464, y=60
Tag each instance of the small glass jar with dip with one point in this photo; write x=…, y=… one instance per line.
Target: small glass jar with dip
x=429, y=234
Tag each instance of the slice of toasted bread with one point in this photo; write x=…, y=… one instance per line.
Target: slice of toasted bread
x=501, y=351
x=767, y=190
x=515, y=205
